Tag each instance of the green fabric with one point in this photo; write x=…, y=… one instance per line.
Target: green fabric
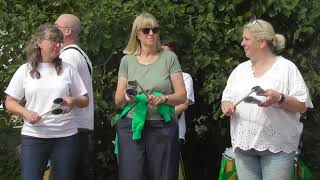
x=140, y=114
x=304, y=172
x=153, y=77
x=165, y=110
x=116, y=145
x=222, y=168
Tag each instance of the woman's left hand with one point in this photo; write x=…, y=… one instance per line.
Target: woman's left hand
x=68, y=102
x=155, y=100
x=272, y=97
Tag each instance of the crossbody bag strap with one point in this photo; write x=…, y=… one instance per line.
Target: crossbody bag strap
x=72, y=47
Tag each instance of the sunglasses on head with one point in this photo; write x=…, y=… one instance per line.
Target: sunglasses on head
x=154, y=30
x=253, y=21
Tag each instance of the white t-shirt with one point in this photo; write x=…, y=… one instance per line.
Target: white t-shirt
x=266, y=128
x=84, y=116
x=190, y=95
x=39, y=95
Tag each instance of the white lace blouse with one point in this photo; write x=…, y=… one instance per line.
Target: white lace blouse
x=266, y=128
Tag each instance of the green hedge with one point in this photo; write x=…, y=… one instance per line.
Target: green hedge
x=9, y=154
x=209, y=36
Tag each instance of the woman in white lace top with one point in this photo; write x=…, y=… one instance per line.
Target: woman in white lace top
x=266, y=135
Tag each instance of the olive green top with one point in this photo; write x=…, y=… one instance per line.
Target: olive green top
x=153, y=77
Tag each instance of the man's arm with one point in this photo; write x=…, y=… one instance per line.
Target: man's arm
x=190, y=96
x=182, y=107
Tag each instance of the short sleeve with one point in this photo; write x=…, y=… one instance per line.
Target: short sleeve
x=71, y=56
x=16, y=85
x=227, y=93
x=189, y=87
x=123, y=69
x=77, y=87
x=297, y=87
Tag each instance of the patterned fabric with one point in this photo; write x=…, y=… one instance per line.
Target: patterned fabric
x=266, y=128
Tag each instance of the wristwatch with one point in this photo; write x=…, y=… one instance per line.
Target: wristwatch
x=282, y=98
x=167, y=98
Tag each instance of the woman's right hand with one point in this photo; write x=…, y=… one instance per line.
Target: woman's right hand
x=129, y=99
x=227, y=108
x=31, y=117
x=121, y=99
x=155, y=100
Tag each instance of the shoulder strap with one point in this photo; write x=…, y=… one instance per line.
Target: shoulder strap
x=72, y=47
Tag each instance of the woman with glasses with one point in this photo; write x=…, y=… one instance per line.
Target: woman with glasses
x=147, y=129
x=40, y=81
x=266, y=135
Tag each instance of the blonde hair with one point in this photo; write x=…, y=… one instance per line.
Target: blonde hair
x=141, y=21
x=33, y=51
x=263, y=30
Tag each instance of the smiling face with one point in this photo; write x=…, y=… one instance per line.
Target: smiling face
x=250, y=44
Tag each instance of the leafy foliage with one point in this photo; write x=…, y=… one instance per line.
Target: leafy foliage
x=209, y=36
x=9, y=158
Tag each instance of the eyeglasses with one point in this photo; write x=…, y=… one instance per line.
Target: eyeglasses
x=60, y=42
x=154, y=30
x=56, y=25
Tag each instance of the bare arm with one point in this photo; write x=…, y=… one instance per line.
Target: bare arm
x=14, y=107
x=178, y=96
x=290, y=103
x=183, y=107
x=188, y=82
x=81, y=101
x=119, y=98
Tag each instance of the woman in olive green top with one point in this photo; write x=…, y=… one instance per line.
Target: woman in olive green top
x=154, y=155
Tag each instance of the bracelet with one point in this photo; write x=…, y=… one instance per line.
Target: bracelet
x=167, y=98
x=281, y=98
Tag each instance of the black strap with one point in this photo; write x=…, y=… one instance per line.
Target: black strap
x=72, y=47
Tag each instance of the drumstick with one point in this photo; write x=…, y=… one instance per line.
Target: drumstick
x=16, y=127
x=252, y=90
x=55, y=107
x=243, y=98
